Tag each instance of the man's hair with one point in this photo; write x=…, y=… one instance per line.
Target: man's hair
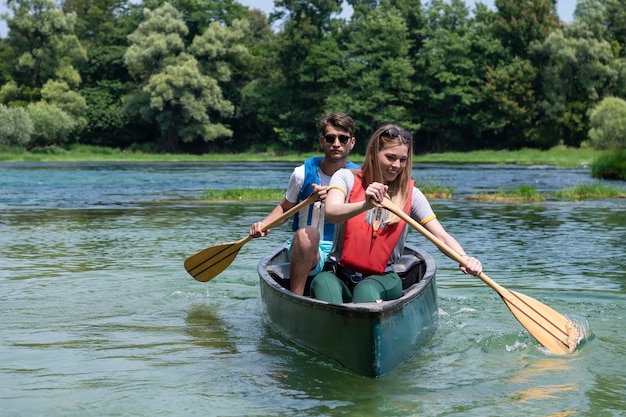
x=338, y=120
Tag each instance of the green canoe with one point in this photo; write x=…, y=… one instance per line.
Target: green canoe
x=371, y=339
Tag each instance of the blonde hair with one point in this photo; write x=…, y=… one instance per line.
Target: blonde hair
x=386, y=136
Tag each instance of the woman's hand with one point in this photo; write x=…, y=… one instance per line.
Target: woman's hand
x=376, y=191
x=472, y=266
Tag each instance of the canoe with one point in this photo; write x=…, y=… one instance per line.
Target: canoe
x=371, y=339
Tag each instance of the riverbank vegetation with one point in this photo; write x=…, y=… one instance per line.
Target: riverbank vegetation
x=217, y=77
x=558, y=156
x=524, y=193
x=578, y=192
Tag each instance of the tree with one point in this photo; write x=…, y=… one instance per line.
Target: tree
x=51, y=125
x=15, y=126
x=102, y=26
x=580, y=69
x=451, y=75
x=173, y=92
x=298, y=95
x=43, y=43
x=607, y=123
x=107, y=125
x=373, y=83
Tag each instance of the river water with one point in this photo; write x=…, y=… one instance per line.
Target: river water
x=99, y=317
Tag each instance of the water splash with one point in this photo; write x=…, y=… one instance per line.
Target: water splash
x=579, y=331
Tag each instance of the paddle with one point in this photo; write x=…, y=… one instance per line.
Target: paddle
x=210, y=262
x=550, y=328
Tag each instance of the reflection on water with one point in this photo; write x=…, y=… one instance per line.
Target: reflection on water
x=100, y=318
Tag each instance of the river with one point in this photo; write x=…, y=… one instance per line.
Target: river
x=99, y=317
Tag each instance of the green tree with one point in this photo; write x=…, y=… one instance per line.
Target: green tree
x=580, y=70
x=102, y=26
x=15, y=126
x=51, y=125
x=516, y=80
x=451, y=73
x=373, y=84
x=43, y=42
x=616, y=25
x=107, y=124
x=298, y=95
x=607, y=123
x=71, y=102
x=520, y=23
x=174, y=93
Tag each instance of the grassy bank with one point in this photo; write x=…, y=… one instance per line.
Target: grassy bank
x=524, y=193
x=579, y=192
x=558, y=156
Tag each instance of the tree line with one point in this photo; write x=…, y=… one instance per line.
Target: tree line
x=215, y=76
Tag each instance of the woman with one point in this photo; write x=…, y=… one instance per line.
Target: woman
x=368, y=239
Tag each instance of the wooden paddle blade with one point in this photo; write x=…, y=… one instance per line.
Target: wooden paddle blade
x=553, y=330
x=210, y=262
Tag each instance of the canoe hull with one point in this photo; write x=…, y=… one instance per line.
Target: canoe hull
x=371, y=339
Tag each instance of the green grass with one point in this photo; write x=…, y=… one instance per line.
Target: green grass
x=579, y=192
x=590, y=191
x=432, y=190
x=276, y=194
x=524, y=193
x=245, y=194
x=558, y=156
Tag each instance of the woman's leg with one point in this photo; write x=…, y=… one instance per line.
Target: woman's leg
x=327, y=287
x=378, y=287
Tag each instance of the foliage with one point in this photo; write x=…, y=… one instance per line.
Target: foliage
x=247, y=194
x=611, y=165
x=579, y=192
x=580, y=70
x=213, y=76
x=16, y=126
x=590, y=191
x=180, y=91
x=52, y=125
x=45, y=47
x=608, y=124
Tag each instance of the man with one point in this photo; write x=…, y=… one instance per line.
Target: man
x=313, y=237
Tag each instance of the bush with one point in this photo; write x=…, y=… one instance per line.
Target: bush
x=52, y=125
x=611, y=165
x=16, y=127
x=608, y=124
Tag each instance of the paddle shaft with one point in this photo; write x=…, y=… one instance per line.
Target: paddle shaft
x=443, y=247
x=280, y=219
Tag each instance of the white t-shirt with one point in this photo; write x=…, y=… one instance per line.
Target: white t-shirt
x=296, y=181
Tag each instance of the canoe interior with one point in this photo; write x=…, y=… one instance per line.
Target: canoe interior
x=370, y=339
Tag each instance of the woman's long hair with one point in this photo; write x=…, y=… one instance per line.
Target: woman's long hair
x=385, y=136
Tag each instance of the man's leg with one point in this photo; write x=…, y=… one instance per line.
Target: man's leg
x=305, y=255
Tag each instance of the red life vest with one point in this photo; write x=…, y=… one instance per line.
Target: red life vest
x=365, y=249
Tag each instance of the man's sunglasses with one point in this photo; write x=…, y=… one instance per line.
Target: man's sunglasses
x=343, y=139
x=394, y=133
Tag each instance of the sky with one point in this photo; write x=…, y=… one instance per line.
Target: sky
x=565, y=9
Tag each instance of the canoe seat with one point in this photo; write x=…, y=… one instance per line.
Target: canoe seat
x=279, y=272
x=410, y=269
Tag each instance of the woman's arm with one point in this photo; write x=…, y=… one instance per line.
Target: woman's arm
x=337, y=210
x=473, y=266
